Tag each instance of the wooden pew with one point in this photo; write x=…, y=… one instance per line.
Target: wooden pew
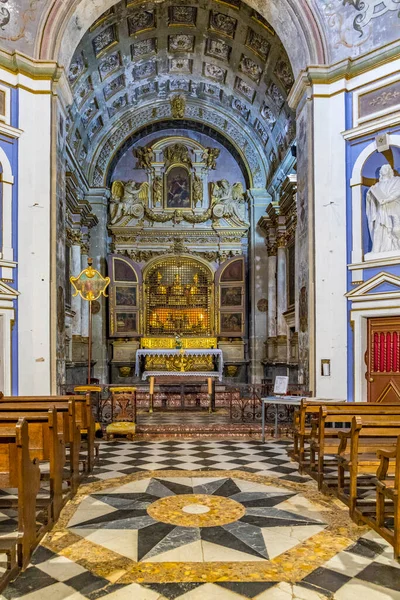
x=302, y=430
x=46, y=445
x=324, y=442
x=18, y=470
x=357, y=456
x=84, y=418
x=387, y=498
x=68, y=429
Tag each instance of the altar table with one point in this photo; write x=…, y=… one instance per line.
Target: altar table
x=189, y=376
x=180, y=352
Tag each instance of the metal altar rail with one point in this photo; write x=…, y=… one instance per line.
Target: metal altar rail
x=241, y=401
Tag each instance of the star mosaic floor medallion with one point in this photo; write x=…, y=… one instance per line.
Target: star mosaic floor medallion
x=196, y=520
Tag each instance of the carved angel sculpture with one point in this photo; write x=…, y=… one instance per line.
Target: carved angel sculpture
x=144, y=157
x=128, y=200
x=210, y=156
x=228, y=202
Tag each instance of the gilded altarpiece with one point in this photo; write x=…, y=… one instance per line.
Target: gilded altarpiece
x=182, y=236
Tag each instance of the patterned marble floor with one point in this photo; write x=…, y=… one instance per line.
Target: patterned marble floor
x=194, y=520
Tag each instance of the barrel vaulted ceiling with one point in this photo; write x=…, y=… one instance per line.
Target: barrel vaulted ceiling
x=223, y=57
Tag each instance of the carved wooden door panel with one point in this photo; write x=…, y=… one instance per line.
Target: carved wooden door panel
x=383, y=360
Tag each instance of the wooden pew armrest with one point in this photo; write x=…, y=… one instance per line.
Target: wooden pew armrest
x=343, y=437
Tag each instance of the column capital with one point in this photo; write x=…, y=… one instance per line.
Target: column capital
x=74, y=236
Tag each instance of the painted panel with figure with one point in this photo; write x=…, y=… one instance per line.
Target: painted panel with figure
x=231, y=296
x=126, y=322
x=125, y=296
x=178, y=188
x=231, y=323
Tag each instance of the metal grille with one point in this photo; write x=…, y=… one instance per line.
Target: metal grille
x=178, y=298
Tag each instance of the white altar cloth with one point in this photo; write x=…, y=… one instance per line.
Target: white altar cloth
x=177, y=352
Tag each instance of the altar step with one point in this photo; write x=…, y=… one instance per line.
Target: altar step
x=192, y=424
x=182, y=430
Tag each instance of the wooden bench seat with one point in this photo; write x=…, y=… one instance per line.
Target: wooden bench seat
x=324, y=442
x=83, y=416
x=47, y=446
x=18, y=470
x=303, y=430
x=67, y=428
x=385, y=519
x=357, y=454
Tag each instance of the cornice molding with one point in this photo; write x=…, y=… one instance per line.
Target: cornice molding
x=343, y=70
x=22, y=64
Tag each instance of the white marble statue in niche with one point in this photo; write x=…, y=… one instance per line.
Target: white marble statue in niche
x=383, y=213
x=128, y=200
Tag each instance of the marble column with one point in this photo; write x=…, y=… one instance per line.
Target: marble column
x=271, y=329
x=85, y=305
x=76, y=268
x=98, y=199
x=281, y=286
x=259, y=200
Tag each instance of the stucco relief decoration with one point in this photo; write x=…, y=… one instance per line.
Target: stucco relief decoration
x=257, y=44
x=218, y=49
x=181, y=43
x=77, y=67
x=109, y=64
x=180, y=65
x=178, y=106
x=240, y=107
x=268, y=115
x=104, y=39
x=179, y=84
x=118, y=105
x=223, y=23
x=383, y=213
x=245, y=89
x=284, y=74
x=228, y=201
x=250, y=68
x=114, y=86
x=182, y=15
x=214, y=72
x=128, y=200
x=141, y=20
x=177, y=153
x=276, y=95
x=145, y=47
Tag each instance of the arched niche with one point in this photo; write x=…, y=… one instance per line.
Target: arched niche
x=365, y=172
x=124, y=297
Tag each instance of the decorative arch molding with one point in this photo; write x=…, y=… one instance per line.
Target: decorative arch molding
x=357, y=253
x=64, y=24
x=251, y=155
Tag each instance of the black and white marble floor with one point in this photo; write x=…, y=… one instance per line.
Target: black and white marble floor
x=192, y=520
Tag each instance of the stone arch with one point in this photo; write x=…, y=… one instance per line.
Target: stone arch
x=251, y=159
x=65, y=23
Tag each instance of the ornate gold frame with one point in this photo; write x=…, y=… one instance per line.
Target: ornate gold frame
x=174, y=166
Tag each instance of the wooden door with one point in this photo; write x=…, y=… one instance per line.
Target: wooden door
x=383, y=360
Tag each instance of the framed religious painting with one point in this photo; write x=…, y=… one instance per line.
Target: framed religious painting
x=125, y=296
x=231, y=296
x=231, y=323
x=178, y=192
x=126, y=323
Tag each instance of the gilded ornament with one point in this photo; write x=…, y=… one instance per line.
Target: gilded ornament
x=128, y=200
x=210, y=156
x=178, y=107
x=197, y=191
x=177, y=153
x=157, y=191
x=144, y=157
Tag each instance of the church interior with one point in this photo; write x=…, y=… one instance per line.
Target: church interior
x=199, y=299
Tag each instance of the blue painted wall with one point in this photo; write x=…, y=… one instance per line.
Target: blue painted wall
x=370, y=170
